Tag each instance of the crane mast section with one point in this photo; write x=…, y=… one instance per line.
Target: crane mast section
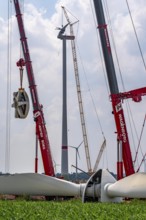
x=81, y=107
x=79, y=94
x=41, y=131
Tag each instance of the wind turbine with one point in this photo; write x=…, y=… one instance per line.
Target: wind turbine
x=77, y=155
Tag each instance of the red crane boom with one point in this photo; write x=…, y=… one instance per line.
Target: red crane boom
x=124, y=149
x=41, y=131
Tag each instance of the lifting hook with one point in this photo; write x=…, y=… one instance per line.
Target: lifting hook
x=21, y=64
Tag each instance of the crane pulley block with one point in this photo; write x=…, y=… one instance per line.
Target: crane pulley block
x=21, y=103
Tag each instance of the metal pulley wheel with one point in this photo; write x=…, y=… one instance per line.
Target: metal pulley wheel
x=21, y=103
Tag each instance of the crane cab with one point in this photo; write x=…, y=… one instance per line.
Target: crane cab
x=21, y=103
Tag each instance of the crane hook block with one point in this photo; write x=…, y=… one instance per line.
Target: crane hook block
x=20, y=103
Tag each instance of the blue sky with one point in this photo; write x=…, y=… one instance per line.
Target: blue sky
x=48, y=6
x=41, y=18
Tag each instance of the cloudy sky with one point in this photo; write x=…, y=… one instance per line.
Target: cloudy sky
x=41, y=19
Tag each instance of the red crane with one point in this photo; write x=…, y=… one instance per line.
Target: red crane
x=41, y=131
x=124, y=150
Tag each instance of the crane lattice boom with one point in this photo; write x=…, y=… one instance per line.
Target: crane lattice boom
x=99, y=155
x=83, y=124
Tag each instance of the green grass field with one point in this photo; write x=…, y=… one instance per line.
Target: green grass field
x=71, y=210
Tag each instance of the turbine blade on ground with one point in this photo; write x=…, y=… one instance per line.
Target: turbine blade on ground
x=133, y=186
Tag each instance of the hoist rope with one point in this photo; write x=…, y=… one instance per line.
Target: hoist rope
x=92, y=99
x=140, y=139
x=101, y=57
x=100, y=50
x=129, y=112
x=8, y=108
x=85, y=76
x=127, y=103
x=104, y=74
x=113, y=41
x=21, y=54
x=136, y=35
x=72, y=23
x=144, y=63
x=72, y=14
x=21, y=76
x=22, y=10
x=143, y=159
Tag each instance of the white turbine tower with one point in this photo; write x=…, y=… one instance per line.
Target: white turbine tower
x=64, y=156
